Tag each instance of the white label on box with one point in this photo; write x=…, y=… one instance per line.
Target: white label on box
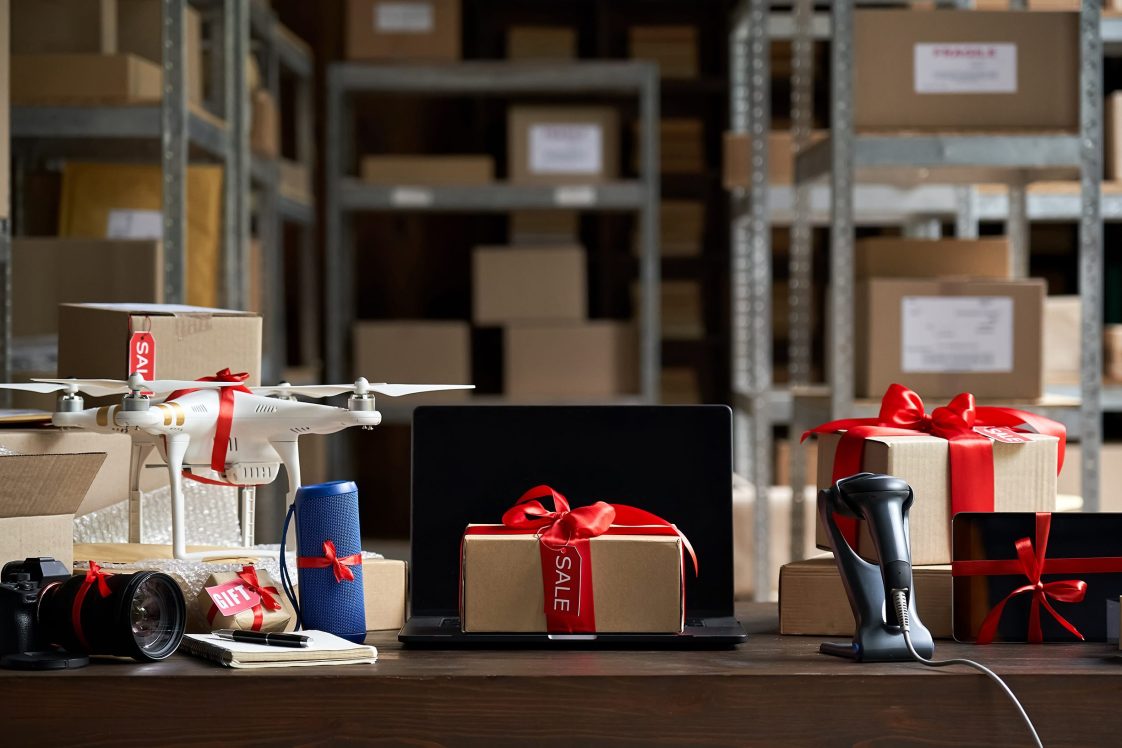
x=965, y=68
x=411, y=197
x=574, y=195
x=403, y=18
x=956, y=334
x=135, y=224
x=564, y=148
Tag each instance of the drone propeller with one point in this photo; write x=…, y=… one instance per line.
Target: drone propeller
x=102, y=387
x=359, y=387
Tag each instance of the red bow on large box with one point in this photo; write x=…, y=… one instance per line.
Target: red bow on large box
x=970, y=453
x=563, y=534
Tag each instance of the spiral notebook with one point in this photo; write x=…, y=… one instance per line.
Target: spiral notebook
x=323, y=649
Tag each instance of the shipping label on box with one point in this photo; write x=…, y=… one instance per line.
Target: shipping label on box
x=965, y=68
x=416, y=17
x=562, y=144
x=566, y=149
x=427, y=30
x=956, y=334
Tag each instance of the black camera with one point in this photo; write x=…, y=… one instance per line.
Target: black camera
x=51, y=619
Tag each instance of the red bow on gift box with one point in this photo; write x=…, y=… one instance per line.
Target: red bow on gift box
x=970, y=453
x=94, y=576
x=331, y=558
x=249, y=580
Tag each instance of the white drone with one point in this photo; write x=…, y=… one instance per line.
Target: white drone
x=263, y=428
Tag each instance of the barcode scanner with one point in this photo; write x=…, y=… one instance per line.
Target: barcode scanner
x=882, y=501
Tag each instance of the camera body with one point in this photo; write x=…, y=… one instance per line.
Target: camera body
x=21, y=585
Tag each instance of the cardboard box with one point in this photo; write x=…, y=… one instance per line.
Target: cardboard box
x=111, y=482
x=54, y=26
x=681, y=145
x=541, y=43
x=682, y=315
x=674, y=48
x=295, y=181
x=264, y=124
x=902, y=257
x=428, y=170
x=280, y=619
x=1112, y=352
x=140, y=32
x=562, y=144
x=1063, y=316
x=682, y=223
x=679, y=385
x=780, y=157
x=56, y=271
x=943, y=337
x=385, y=592
x=415, y=351
x=85, y=79
x=781, y=474
x=189, y=342
x=123, y=201
x=594, y=359
x=1024, y=481
x=38, y=497
x=416, y=30
x=518, y=284
x=544, y=227
x=636, y=582
x=1070, y=480
x=779, y=548
x=812, y=600
x=1112, y=135
x=947, y=70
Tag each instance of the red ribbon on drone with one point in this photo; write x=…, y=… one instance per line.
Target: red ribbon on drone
x=224, y=424
x=970, y=453
x=94, y=576
x=330, y=558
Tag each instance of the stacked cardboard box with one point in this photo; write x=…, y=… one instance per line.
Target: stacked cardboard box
x=415, y=351
x=1062, y=337
x=1112, y=135
x=535, y=284
x=541, y=43
x=682, y=223
x=415, y=30
x=1112, y=352
x=562, y=144
x=681, y=145
x=674, y=48
x=264, y=124
x=780, y=158
x=544, y=227
x=682, y=314
x=428, y=170
x=680, y=386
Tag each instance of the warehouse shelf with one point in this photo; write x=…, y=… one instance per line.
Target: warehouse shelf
x=356, y=195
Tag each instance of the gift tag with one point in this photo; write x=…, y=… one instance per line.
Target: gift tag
x=1003, y=434
x=562, y=577
x=232, y=597
x=142, y=355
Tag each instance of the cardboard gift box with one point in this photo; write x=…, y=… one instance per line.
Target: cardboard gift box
x=415, y=351
x=948, y=336
x=183, y=342
x=948, y=70
x=562, y=144
x=1035, y=577
x=518, y=284
x=426, y=30
x=812, y=599
x=248, y=599
x=593, y=359
x=1024, y=464
x=605, y=569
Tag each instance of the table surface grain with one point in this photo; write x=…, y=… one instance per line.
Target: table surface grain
x=771, y=691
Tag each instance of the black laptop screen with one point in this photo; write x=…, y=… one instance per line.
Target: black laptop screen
x=471, y=463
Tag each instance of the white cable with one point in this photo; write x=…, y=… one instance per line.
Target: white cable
x=900, y=603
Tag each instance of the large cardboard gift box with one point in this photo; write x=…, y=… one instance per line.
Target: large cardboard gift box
x=943, y=337
x=1024, y=481
x=949, y=70
x=636, y=583
x=562, y=144
x=517, y=284
x=162, y=341
x=426, y=30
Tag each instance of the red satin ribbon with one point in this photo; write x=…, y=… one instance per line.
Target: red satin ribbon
x=1033, y=564
x=94, y=576
x=224, y=424
x=248, y=575
x=970, y=454
x=330, y=558
x=563, y=533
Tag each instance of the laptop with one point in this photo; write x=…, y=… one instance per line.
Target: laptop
x=471, y=463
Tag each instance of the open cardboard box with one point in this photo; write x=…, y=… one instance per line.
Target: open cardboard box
x=39, y=495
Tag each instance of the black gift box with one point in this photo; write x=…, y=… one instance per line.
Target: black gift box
x=1082, y=569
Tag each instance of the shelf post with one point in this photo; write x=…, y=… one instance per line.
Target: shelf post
x=173, y=152
x=840, y=319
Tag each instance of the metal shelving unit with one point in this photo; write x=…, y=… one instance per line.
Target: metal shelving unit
x=283, y=54
x=346, y=195
x=178, y=129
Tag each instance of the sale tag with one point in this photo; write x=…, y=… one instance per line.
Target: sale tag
x=1003, y=434
x=232, y=598
x=142, y=355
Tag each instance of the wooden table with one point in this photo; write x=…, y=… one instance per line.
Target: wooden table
x=772, y=691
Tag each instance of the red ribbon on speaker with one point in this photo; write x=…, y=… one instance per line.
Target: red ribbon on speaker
x=971, y=454
x=330, y=558
x=223, y=426
x=94, y=576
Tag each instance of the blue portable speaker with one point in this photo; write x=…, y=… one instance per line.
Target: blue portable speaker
x=328, y=546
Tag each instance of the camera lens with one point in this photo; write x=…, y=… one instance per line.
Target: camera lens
x=143, y=616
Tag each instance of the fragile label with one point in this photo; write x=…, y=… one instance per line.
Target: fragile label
x=564, y=148
x=965, y=68
x=403, y=18
x=232, y=597
x=142, y=355
x=956, y=334
x=135, y=224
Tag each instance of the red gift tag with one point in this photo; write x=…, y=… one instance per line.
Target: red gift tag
x=142, y=355
x=562, y=575
x=1003, y=434
x=232, y=598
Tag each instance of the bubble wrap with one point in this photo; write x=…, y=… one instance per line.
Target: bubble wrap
x=192, y=574
x=211, y=514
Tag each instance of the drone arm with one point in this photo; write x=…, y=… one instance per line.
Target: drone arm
x=176, y=449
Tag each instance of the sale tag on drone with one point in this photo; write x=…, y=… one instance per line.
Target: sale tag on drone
x=232, y=597
x=1003, y=434
x=142, y=355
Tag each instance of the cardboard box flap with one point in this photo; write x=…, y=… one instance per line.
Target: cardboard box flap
x=42, y=485
x=168, y=310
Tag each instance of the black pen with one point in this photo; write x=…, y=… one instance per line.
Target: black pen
x=262, y=637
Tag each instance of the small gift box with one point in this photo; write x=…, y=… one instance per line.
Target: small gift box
x=1023, y=576
x=246, y=599
x=601, y=568
x=959, y=458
